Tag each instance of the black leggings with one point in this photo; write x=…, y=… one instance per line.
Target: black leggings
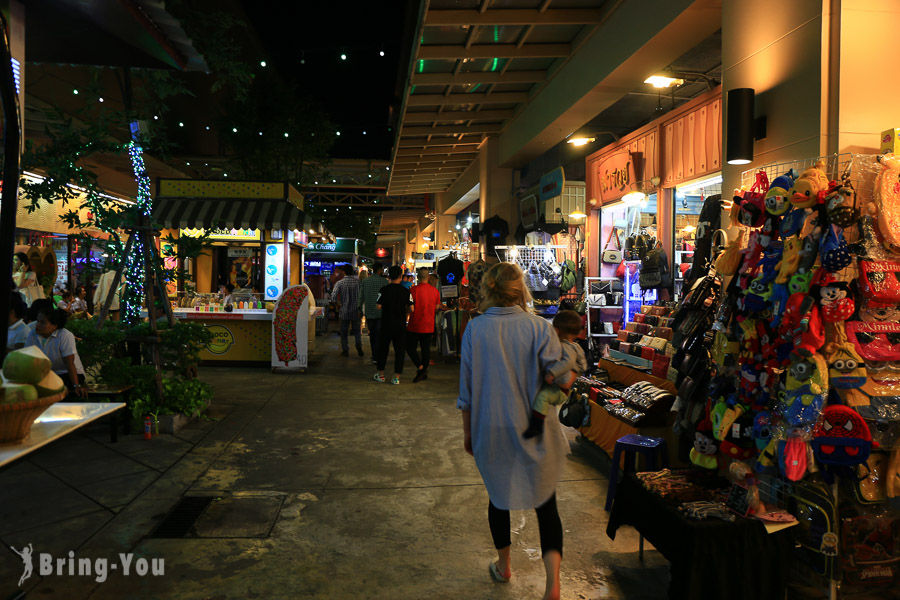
x=549, y=526
x=414, y=339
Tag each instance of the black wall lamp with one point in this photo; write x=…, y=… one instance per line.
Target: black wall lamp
x=742, y=127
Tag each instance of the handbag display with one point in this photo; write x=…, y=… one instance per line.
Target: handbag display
x=613, y=256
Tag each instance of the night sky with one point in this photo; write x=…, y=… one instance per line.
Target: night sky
x=305, y=40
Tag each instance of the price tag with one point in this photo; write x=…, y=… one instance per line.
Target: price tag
x=544, y=281
x=555, y=268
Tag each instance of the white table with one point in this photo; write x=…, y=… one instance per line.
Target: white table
x=58, y=420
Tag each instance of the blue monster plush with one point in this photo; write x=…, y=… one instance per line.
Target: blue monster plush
x=792, y=222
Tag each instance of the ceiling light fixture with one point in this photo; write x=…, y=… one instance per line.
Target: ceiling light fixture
x=262, y=63
x=579, y=141
x=632, y=198
x=662, y=81
x=577, y=214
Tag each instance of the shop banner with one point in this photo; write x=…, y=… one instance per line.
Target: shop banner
x=274, y=278
x=552, y=184
x=616, y=176
x=528, y=210
x=344, y=245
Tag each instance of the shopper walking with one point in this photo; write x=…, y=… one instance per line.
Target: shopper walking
x=346, y=299
x=395, y=302
x=368, y=296
x=420, y=330
x=505, y=353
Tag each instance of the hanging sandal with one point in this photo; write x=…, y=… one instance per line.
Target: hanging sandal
x=379, y=378
x=496, y=575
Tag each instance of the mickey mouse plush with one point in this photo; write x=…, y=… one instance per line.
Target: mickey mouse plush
x=835, y=299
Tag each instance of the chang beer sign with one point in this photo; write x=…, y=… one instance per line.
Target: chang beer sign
x=341, y=245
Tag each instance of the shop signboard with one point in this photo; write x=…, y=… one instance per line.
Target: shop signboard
x=528, y=208
x=274, y=265
x=225, y=235
x=244, y=252
x=552, y=184
x=343, y=245
x=616, y=176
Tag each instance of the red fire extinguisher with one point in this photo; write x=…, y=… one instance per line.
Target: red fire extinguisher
x=147, y=428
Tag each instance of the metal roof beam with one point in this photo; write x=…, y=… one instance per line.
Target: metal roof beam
x=451, y=129
x=495, y=51
x=476, y=98
x=407, y=152
x=514, y=16
x=478, y=77
x=458, y=115
x=467, y=140
x=426, y=162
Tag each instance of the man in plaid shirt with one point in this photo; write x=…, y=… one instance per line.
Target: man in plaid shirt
x=346, y=298
x=368, y=297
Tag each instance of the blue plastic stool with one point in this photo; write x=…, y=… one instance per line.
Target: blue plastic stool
x=634, y=444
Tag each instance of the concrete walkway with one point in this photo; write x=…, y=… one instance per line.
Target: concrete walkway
x=324, y=485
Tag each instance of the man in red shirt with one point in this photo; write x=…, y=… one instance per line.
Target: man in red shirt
x=421, y=324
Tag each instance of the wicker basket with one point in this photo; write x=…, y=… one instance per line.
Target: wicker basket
x=16, y=419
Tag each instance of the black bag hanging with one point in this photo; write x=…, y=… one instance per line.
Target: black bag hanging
x=709, y=222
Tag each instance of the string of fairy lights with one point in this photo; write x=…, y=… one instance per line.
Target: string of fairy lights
x=135, y=263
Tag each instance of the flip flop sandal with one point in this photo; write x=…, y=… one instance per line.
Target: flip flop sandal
x=496, y=575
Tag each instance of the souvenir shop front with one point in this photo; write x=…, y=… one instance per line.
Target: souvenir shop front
x=786, y=394
x=258, y=233
x=646, y=193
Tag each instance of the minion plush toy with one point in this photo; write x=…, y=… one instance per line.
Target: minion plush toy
x=805, y=390
x=778, y=198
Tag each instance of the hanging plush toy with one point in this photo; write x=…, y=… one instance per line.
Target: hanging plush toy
x=835, y=299
x=834, y=250
x=762, y=429
x=800, y=282
x=703, y=453
x=806, y=189
x=809, y=251
x=840, y=205
x=770, y=231
x=801, y=324
x=805, y=389
x=778, y=197
x=842, y=438
x=792, y=222
x=790, y=260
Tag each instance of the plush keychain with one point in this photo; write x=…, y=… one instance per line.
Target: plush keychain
x=842, y=437
x=834, y=250
x=835, y=299
x=840, y=205
x=801, y=324
x=805, y=389
x=770, y=230
x=806, y=189
x=809, y=251
x=703, y=453
x=778, y=197
x=762, y=429
x=792, y=457
x=801, y=282
x=792, y=222
x=790, y=260
x=778, y=298
x=758, y=294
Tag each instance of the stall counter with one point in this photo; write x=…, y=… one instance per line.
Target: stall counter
x=241, y=336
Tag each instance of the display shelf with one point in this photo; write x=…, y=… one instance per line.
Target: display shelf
x=603, y=335
x=592, y=336
x=634, y=360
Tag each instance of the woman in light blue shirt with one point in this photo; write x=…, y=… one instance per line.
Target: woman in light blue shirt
x=504, y=355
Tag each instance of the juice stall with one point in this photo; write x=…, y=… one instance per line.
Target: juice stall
x=258, y=233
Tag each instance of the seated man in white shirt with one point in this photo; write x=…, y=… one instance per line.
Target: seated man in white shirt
x=18, y=330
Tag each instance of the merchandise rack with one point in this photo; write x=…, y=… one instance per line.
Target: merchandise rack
x=524, y=255
x=595, y=338
x=835, y=166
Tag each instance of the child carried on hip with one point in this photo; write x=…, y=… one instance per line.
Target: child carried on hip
x=560, y=375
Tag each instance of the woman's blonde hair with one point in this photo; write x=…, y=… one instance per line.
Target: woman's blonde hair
x=504, y=285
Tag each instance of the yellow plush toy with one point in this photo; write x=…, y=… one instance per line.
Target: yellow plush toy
x=807, y=187
x=790, y=259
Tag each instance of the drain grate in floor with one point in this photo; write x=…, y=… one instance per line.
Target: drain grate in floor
x=181, y=518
